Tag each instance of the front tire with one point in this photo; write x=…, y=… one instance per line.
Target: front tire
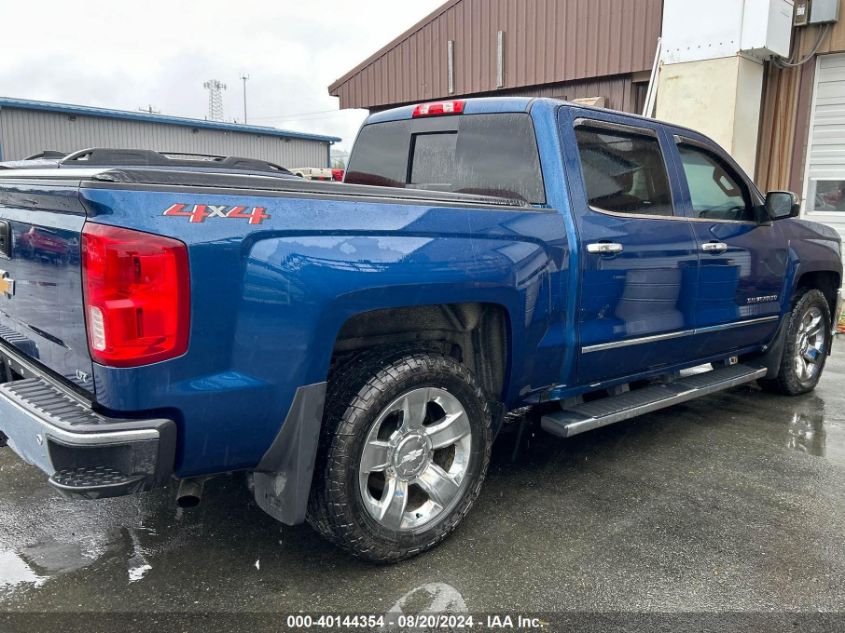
x=806, y=348
x=404, y=452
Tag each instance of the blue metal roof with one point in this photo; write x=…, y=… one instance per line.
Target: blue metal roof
x=104, y=113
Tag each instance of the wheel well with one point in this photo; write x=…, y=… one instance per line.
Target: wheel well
x=475, y=334
x=826, y=281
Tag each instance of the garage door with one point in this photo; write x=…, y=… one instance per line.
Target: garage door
x=824, y=198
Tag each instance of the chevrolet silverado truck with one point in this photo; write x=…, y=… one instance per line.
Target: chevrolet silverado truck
x=355, y=347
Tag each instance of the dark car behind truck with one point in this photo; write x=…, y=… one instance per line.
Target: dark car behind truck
x=355, y=346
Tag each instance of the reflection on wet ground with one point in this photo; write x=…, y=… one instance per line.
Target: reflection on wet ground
x=730, y=502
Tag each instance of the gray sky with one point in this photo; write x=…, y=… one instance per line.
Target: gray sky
x=128, y=55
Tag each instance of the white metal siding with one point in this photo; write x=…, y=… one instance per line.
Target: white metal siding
x=27, y=132
x=826, y=153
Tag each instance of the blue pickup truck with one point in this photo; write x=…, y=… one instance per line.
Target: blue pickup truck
x=355, y=347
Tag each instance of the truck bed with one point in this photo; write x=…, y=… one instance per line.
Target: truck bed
x=210, y=182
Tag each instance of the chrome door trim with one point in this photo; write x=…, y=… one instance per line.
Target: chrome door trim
x=736, y=324
x=600, y=347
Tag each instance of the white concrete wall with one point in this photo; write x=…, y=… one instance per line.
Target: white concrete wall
x=717, y=97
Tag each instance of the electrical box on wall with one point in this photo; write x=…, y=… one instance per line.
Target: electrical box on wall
x=695, y=30
x=767, y=28
x=802, y=13
x=824, y=11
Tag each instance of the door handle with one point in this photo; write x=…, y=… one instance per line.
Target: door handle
x=605, y=248
x=714, y=247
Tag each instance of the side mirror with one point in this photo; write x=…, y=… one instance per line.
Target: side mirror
x=782, y=204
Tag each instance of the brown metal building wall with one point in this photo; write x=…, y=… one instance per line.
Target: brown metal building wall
x=785, y=123
x=546, y=42
x=620, y=93
x=787, y=101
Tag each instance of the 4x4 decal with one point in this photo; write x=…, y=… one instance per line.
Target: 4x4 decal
x=199, y=212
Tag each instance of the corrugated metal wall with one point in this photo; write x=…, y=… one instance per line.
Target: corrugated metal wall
x=789, y=150
x=546, y=42
x=27, y=132
x=620, y=93
x=786, y=109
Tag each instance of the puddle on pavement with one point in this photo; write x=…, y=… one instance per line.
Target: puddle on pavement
x=36, y=564
x=810, y=430
x=14, y=571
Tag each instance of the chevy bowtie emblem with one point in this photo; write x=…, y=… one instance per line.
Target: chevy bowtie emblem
x=412, y=456
x=7, y=284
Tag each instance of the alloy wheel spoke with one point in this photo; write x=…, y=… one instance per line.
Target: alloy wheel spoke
x=393, y=503
x=800, y=366
x=438, y=485
x=805, y=323
x=805, y=369
x=375, y=457
x=414, y=406
x=448, y=431
x=814, y=324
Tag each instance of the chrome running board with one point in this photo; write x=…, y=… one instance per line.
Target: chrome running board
x=599, y=413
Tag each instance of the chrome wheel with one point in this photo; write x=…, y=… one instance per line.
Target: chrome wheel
x=811, y=339
x=415, y=459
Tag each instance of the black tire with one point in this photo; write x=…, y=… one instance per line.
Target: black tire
x=361, y=390
x=790, y=381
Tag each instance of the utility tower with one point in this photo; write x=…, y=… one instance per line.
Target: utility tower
x=215, y=99
x=245, y=78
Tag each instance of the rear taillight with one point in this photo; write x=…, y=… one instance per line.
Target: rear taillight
x=439, y=108
x=137, y=295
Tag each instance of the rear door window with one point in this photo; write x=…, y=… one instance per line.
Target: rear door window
x=624, y=172
x=484, y=154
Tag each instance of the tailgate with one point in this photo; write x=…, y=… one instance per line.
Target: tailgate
x=41, y=303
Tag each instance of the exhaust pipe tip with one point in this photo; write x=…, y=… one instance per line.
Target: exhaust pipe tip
x=187, y=502
x=190, y=492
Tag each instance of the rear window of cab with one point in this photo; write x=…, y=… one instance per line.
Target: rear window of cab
x=482, y=154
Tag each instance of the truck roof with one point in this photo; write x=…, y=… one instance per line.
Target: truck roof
x=478, y=105
x=495, y=105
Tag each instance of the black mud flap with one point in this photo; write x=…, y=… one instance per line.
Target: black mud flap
x=283, y=478
x=773, y=356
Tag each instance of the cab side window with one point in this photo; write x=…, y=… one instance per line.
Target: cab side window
x=716, y=191
x=623, y=172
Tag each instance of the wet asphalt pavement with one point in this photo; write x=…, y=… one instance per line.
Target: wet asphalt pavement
x=732, y=502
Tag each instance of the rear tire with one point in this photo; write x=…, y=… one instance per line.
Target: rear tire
x=404, y=451
x=806, y=348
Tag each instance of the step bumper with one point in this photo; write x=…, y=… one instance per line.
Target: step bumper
x=84, y=453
